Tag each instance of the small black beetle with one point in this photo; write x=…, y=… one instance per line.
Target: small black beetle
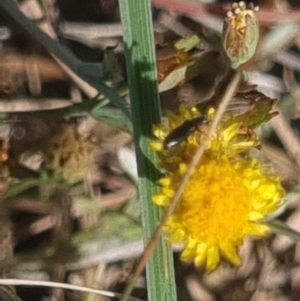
x=183, y=131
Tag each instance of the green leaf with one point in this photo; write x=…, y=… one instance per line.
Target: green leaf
x=280, y=227
x=17, y=188
x=113, y=116
x=112, y=69
x=187, y=43
x=173, y=79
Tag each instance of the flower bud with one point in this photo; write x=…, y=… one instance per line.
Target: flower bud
x=240, y=33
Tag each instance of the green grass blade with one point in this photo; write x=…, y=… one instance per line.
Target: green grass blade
x=141, y=67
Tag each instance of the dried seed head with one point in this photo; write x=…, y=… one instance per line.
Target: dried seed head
x=240, y=33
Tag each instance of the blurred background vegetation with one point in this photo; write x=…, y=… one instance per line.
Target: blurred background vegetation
x=70, y=211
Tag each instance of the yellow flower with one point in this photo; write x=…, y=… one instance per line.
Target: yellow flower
x=226, y=198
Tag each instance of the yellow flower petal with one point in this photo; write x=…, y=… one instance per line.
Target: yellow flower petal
x=182, y=168
x=156, y=146
x=230, y=252
x=213, y=257
x=160, y=200
x=167, y=192
x=200, y=254
x=164, y=182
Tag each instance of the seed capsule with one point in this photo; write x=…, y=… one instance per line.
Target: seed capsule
x=240, y=33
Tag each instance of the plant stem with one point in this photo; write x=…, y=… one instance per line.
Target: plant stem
x=142, y=77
